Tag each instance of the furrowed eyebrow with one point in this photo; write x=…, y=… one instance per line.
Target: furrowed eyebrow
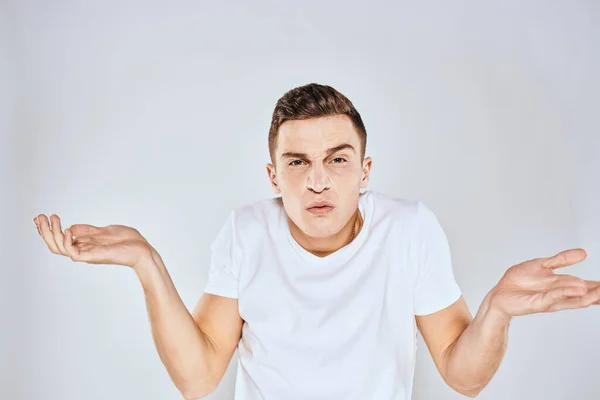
x=330, y=151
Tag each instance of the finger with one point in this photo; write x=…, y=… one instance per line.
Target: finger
x=85, y=253
x=592, y=284
x=59, y=238
x=47, y=234
x=563, y=280
x=83, y=241
x=558, y=294
x=79, y=249
x=591, y=297
x=565, y=258
x=92, y=253
x=71, y=250
x=84, y=230
x=37, y=226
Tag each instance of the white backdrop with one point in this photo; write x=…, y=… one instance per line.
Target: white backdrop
x=155, y=115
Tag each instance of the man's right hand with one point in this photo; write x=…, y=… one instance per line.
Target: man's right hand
x=195, y=348
x=112, y=244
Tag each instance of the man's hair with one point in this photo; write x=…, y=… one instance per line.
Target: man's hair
x=313, y=101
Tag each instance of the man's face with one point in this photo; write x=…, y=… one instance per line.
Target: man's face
x=319, y=160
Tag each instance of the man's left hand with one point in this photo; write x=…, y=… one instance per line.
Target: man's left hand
x=533, y=287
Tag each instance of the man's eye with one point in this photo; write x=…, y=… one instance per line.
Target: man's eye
x=295, y=162
x=339, y=160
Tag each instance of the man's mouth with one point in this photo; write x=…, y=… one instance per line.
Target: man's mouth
x=320, y=208
x=320, y=203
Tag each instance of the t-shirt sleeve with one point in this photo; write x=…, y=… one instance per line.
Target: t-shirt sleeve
x=223, y=274
x=436, y=287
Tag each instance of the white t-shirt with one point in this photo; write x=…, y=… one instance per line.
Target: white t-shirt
x=337, y=327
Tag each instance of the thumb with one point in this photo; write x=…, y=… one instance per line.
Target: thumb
x=565, y=258
x=83, y=229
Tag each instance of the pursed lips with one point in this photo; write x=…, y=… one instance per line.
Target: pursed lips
x=322, y=203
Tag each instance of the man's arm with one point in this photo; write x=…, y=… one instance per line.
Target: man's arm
x=474, y=358
x=467, y=352
x=195, y=349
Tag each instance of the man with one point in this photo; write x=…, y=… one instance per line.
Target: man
x=322, y=289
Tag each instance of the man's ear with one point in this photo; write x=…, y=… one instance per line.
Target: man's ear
x=366, y=171
x=273, y=178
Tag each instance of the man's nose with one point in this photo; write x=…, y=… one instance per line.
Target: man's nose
x=318, y=179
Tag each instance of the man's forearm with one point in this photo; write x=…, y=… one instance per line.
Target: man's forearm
x=183, y=349
x=475, y=356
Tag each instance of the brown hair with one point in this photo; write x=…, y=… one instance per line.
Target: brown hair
x=313, y=101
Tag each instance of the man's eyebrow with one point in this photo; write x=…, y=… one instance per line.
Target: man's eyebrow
x=330, y=151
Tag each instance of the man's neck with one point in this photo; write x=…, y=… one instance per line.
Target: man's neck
x=322, y=247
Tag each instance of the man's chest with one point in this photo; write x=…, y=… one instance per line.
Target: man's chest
x=307, y=309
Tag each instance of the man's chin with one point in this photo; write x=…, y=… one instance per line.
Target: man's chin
x=320, y=232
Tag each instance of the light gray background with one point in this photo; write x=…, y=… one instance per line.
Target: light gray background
x=155, y=115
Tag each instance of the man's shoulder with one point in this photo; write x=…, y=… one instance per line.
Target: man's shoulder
x=395, y=207
x=257, y=213
x=413, y=214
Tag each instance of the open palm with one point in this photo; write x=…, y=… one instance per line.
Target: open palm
x=112, y=244
x=533, y=286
